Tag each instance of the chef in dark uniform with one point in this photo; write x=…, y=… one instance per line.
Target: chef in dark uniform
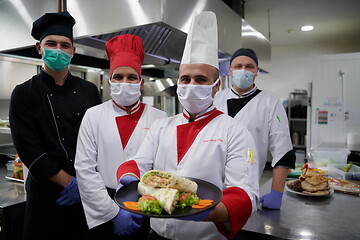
x=45, y=116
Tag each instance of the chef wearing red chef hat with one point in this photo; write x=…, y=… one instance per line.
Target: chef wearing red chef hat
x=109, y=135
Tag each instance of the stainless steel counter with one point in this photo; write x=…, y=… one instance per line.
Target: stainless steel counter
x=303, y=217
x=12, y=206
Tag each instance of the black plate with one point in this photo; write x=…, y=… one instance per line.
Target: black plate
x=206, y=190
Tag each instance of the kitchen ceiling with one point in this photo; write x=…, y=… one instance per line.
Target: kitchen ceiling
x=333, y=20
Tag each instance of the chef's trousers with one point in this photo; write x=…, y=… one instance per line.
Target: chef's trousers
x=45, y=219
x=106, y=232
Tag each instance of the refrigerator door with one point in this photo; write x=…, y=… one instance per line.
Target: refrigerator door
x=335, y=109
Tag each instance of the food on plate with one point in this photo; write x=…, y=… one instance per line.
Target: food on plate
x=132, y=206
x=203, y=203
x=317, y=193
x=344, y=186
x=166, y=191
x=187, y=199
x=155, y=178
x=185, y=185
x=311, y=182
x=295, y=185
x=314, y=183
x=168, y=198
x=149, y=203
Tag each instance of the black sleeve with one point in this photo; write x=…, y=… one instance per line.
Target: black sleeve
x=288, y=160
x=96, y=98
x=26, y=138
x=92, y=93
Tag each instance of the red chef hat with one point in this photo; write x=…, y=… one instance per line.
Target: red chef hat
x=125, y=51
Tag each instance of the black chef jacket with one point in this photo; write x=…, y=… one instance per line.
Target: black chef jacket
x=45, y=120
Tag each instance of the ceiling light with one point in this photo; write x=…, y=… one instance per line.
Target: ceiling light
x=307, y=28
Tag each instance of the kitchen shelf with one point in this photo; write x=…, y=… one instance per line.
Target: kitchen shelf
x=297, y=115
x=298, y=119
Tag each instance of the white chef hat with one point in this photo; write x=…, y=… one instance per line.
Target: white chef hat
x=202, y=41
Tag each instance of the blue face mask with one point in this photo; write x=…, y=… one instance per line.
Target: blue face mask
x=242, y=78
x=56, y=59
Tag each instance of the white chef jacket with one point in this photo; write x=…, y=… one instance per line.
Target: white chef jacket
x=266, y=119
x=219, y=154
x=100, y=152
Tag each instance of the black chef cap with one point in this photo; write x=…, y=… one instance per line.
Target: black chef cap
x=60, y=23
x=245, y=52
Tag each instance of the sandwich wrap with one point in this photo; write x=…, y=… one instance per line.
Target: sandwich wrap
x=185, y=185
x=156, y=178
x=165, y=187
x=168, y=198
x=146, y=190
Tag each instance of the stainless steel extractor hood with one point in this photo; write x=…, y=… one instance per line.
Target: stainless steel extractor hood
x=162, y=24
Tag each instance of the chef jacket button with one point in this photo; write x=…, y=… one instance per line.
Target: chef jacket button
x=63, y=139
x=50, y=94
x=57, y=116
x=75, y=92
x=71, y=160
x=78, y=114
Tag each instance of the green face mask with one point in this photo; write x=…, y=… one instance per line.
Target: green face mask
x=56, y=59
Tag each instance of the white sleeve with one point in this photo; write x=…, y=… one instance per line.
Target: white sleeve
x=279, y=134
x=98, y=206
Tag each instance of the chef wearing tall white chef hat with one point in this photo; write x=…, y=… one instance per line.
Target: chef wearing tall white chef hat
x=111, y=134
x=202, y=143
x=263, y=114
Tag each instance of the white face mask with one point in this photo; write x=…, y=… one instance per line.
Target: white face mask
x=242, y=78
x=125, y=94
x=195, y=98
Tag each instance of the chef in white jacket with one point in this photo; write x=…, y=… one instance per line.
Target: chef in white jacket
x=111, y=134
x=264, y=116
x=201, y=143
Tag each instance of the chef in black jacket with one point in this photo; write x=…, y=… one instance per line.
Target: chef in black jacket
x=45, y=116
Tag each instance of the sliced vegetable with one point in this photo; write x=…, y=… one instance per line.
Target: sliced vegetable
x=187, y=200
x=148, y=197
x=203, y=203
x=199, y=206
x=184, y=196
x=132, y=206
x=150, y=204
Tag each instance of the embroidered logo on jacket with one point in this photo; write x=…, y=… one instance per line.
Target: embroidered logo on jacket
x=213, y=140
